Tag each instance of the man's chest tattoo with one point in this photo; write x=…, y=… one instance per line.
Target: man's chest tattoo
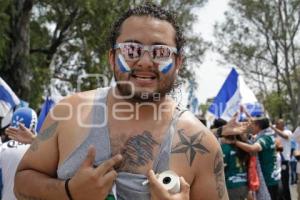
x=138, y=150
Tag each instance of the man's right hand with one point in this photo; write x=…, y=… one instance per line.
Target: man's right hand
x=94, y=183
x=236, y=128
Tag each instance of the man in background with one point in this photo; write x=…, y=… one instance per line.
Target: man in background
x=285, y=136
x=23, y=120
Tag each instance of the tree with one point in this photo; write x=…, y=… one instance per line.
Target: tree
x=68, y=39
x=262, y=39
x=14, y=62
x=275, y=104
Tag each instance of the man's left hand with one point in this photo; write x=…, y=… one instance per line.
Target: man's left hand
x=158, y=192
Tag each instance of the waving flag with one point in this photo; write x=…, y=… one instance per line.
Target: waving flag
x=8, y=99
x=231, y=96
x=48, y=104
x=227, y=101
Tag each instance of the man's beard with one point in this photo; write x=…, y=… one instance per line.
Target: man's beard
x=127, y=90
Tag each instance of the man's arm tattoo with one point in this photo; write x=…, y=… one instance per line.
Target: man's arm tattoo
x=219, y=175
x=45, y=135
x=190, y=145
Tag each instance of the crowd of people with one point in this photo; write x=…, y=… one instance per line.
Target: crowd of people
x=111, y=143
x=258, y=156
x=260, y=163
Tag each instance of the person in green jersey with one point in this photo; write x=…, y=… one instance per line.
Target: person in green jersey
x=235, y=161
x=264, y=146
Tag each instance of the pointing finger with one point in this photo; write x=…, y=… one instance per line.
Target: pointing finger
x=90, y=157
x=109, y=164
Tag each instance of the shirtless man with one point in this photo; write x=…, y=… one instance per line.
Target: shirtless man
x=123, y=136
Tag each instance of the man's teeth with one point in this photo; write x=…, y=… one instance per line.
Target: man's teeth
x=143, y=77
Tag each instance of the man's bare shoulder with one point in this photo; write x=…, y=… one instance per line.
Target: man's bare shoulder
x=79, y=97
x=197, y=156
x=68, y=110
x=191, y=124
x=70, y=103
x=202, y=144
x=69, y=119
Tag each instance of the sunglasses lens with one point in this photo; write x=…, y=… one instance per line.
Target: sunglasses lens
x=132, y=52
x=161, y=53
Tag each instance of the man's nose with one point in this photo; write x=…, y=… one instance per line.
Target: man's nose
x=145, y=60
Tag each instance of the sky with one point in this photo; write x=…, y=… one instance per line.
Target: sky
x=210, y=75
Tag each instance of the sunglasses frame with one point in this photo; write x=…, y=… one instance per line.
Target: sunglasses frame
x=145, y=48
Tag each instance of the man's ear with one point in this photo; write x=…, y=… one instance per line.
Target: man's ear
x=178, y=62
x=111, y=59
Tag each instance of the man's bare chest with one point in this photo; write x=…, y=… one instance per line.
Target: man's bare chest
x=138, y=146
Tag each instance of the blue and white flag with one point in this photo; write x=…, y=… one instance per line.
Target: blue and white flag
x=227, y=101
x=233, y=94
x=8, y=99
x=46, y=107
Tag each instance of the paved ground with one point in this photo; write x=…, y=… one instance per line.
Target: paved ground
x=293, y=189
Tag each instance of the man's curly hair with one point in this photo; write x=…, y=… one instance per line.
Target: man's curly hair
x=149, y=9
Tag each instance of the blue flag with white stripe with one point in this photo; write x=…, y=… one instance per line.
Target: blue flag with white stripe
x=8, y=98
x=227, y=101
x=47, y=105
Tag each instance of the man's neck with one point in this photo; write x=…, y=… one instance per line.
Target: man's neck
x=141, y=111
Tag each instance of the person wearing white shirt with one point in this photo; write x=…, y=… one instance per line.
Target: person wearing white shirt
x=22, y=126
x=285, y=136
x=10, y=156
x=296, y=136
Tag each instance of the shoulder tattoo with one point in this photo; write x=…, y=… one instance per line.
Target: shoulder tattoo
x=190, y=145
x=43, y=136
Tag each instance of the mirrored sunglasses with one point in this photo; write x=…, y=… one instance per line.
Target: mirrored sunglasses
x=134, y=51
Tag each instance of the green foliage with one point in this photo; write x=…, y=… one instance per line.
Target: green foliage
x=68, y=39
x=204, y=108
x=4, y=21
x=274, y=104
x=261, y=38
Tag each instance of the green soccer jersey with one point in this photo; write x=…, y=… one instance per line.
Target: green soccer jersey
x=267, y=158
x=235, y=171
